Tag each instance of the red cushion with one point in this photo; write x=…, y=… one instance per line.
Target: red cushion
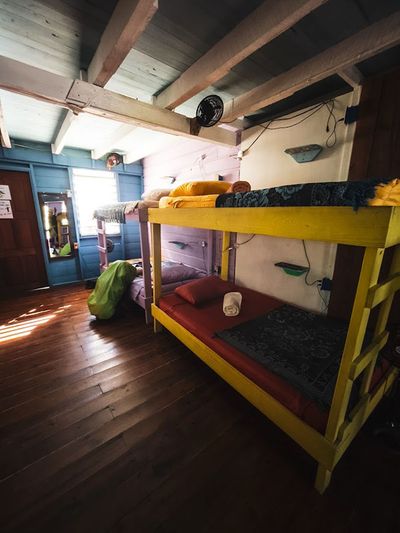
x=204, y=289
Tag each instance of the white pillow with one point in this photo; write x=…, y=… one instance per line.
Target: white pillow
x=155, y=194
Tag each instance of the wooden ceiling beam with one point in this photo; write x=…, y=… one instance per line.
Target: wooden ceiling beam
x=127, y=23
x=4, y=137
x=352, y=75
x=368, y=42
x=83, y=97
x=120, y=134
x=59, y=142
x=263, y=25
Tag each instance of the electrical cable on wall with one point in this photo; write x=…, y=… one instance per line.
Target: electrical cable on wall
x=329, y=105
x=317, y=282
x=238, y=244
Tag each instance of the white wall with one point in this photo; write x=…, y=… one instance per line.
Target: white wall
x=266, y=165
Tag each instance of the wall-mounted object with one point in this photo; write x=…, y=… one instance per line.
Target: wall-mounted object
x=113, y=159
x=209, y=111
x=351, y=114
x=304, y=154
x=291, y=269
x=179, y=244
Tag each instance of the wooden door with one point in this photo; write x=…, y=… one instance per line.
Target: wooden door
x=21, y=256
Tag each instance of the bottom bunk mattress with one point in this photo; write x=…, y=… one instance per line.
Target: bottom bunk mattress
x=208, y=323
x=172, y=276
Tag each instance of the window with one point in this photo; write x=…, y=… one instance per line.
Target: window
x=92, y=189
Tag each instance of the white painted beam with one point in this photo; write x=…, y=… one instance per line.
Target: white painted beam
x=352, y=76
x=364, y=44
x=61, y=137
x=146, y=142
x=80, y=96
x=119, y=136
x=263, y=25
x=127, y=23
x=4, y=137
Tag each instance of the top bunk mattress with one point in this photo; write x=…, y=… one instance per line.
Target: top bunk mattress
x=332, y=194
x=353, y=194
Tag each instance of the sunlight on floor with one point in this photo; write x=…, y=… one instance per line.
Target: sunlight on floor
x=25, y=324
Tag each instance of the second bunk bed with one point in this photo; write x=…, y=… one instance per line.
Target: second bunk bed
x=259, y=351
x=175, y=273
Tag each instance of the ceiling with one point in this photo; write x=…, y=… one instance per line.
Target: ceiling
x=61, y=36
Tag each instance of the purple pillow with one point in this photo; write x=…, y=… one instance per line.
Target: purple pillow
x=175, y=273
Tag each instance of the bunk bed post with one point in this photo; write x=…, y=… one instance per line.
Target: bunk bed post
x=355, y=335
x=102, y=244
x=382, y=321
x=226, y=242
x=145, y=253
x=156, y=261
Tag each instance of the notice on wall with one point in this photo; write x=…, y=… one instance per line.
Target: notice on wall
x=5, y=192
x=5, y=209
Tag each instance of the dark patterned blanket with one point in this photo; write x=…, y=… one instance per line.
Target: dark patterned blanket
x=343, y=193
x=303, y=348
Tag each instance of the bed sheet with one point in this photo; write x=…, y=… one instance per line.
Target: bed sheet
x=204, y=321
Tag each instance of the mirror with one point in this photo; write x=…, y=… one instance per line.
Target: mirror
x=56, y=212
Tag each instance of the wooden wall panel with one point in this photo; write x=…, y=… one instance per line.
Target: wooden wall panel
x=189, y=160
x=376, y=154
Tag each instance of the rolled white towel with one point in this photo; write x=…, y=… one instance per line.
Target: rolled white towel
x=232, y=303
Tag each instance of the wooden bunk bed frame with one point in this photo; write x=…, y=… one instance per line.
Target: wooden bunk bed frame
x=373, y=228
x=141, y=216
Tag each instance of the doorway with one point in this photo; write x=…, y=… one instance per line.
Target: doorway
x=21, y=257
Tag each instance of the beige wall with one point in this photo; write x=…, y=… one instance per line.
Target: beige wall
x=266, y=165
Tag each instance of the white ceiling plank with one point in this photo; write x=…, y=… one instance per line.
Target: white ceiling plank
x=146, y=142
x=352, y=75
x=128, y=21
x=4, y=137
x=264, y=24
x=80, y=96
x=368, y=42
x=118, y=137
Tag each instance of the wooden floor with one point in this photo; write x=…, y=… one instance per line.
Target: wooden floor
x=107, y=427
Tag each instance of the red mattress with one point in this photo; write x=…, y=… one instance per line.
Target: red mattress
x=203, y=321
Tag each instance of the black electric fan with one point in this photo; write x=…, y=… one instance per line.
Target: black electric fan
x=209, y=111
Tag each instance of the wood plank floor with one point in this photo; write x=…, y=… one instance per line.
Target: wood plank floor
x=108, y=427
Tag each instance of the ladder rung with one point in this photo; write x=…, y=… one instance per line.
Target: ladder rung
x=383, y=290
x=367, y=355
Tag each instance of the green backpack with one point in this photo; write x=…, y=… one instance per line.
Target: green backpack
x=110, y=288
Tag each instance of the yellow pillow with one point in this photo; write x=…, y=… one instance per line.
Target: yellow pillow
x=387, y=193
x=199, y=188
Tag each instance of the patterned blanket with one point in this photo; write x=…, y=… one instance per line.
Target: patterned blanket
x=115, y=212
x=345, y=193
x=303, y=348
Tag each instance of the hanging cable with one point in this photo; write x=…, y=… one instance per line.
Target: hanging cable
x=306, y=281
x=306, y=114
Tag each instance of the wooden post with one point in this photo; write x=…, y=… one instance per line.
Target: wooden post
x=355, y=335
x=381, y=322
x=156, y=261
x=145, y=252
x=226, y=241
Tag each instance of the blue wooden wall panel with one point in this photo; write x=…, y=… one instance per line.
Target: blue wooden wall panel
x=50, y=173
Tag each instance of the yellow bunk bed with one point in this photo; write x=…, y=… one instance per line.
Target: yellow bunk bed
x=373, y=228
